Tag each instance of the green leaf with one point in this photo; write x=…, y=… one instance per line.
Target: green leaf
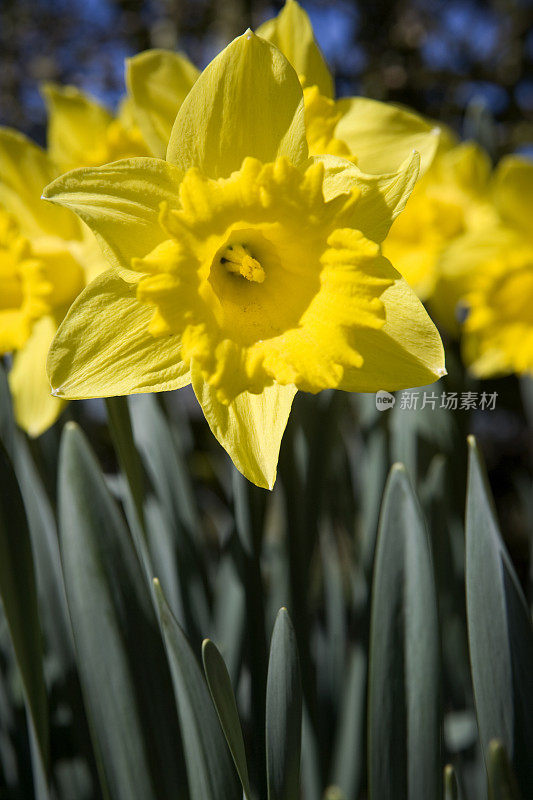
x=349, y=749
x=499, y=631
x=311, y=780
x=451, y=786
x=403, y=698
x=229, y=616
x=121, y=660
x=334, y=663
x=502, y=782
x=334, y=793
x=415, y=427
x=43, y=534
x=373, y=479
x=283, y=712
x=221, y=690
x=164, y=461
x=170, y=478
x=19, y=599
x=7, y=420
x=162, y=556
x=45, y=545
x=209, y=766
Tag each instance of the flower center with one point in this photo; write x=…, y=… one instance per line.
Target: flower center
x=238, y=260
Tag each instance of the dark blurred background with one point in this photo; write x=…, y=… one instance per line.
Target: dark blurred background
x=446, y=58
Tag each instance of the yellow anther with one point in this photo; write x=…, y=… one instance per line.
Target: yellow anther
x=237, y=259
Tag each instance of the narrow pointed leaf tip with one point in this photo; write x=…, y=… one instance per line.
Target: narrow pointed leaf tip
x=219, y=685
x=210, y=770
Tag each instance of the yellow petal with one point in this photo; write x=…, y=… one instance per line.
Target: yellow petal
x=247, y=102
x=461, y=266
x=25, y=169
x=291, y=31
x=407, y=351
x=76, y=123
x=513, y=191
x=103, y=347
x=158, y=82
x=89, y=254
x=14, y=329
x=120, y=202
x=35, y=407
x=250, y=428
x=381, y=136
x=383, y=197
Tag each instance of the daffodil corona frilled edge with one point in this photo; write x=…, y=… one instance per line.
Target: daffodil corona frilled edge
x=242, y=266
x=264, y=280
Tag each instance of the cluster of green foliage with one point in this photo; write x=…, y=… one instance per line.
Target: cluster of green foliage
x=385, y=685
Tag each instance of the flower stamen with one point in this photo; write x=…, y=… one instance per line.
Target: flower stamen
x=238, y=260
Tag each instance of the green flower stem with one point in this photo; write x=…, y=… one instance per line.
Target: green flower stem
x=249, y=502
x=118, y=415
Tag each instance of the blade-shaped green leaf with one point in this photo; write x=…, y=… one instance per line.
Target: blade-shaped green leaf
x=283, y=712
x=43, y=534
x=349, y=750
x=451, y=786
x=311, y=779
x=164, y=461
x=499, y=631
x=43, y=531
x=403, y=698
x=229, y=616
x=121, y=659
x=502, y=782
x=335, y=621
x=165, y=465
x=19, y=599
x=210, y=769
x=221, y=690
x=7, y=421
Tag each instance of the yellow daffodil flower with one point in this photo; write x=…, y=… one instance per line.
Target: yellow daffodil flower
x=82, y=132
x=450, y=200
x=492, y=273
x=46, y=258
x=46, y=255
x=242, y=266
x=377, y=136
x=158, y=81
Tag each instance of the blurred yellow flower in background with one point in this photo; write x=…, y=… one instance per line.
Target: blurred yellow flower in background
x=498, y=289
x=377, y=136
x=33, y=283
x=157, y=82
x=46, y=258
x=242, y=266
x=47, y=255
x=82, y=133
x=453, y=198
